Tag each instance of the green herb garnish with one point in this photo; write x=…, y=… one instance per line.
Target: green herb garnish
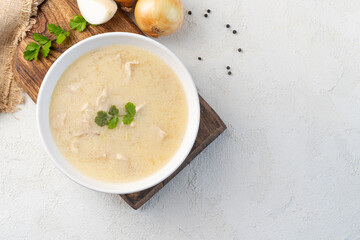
x=60, y=33
x=46, y=49
x=128, y=119
x=130, y=109
x=42, y=40
x=32, y=50
x=113, y=122
x=78, y=23
x=102, y=117
x=113, y=110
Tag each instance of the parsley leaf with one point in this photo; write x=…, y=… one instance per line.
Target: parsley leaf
x=32, y=46
x=42, y=40
x=61, y=38
x=113, y=110
x=54, y=29
x=101, y=118
x=128, y=119
x=32, y=51
x=46, y=49
x=113, y=122
x=58, y=32
x=130, y=109
x=78, y=23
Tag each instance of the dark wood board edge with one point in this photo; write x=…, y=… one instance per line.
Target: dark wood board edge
x=149, y=193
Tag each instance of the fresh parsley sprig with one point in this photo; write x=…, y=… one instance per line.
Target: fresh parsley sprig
x=60, y=33
x=112, y=118
x=78, y=23
x=131, y=111
x=32, y=50
x=102, y=118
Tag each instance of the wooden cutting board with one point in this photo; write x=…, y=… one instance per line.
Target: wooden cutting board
x=31, y=74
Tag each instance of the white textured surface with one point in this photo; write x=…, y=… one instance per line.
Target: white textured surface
x=287, y=168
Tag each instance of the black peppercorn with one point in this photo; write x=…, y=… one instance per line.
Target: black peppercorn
x=208, y=11
x=205, y=15
x=239, y=50
x=228, y=67
x=229, y=72
x=189, y=12
x=199, y=58
x=227, y=25
x=234, y=31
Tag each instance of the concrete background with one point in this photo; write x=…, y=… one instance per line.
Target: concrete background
x=287, y=167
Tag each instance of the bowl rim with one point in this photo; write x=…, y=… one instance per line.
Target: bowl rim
x=43, y=103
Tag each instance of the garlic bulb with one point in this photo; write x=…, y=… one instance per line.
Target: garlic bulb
x=126, y=5
x=97, y=11
x=159, y=17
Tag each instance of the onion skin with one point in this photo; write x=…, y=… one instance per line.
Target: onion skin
x=126, y=5
x=159, y=17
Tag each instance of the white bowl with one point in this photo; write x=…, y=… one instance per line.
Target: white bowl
x=89, y=44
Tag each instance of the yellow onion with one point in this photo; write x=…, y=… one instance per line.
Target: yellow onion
x=159, y=17
x=126, y=5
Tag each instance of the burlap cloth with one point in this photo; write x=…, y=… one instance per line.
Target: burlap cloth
x=15, y=20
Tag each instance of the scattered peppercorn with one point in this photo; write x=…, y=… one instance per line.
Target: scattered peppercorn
x=189, y=12
x=208, y=11
x=199, y=58
x=234, y=31
x=239, y=50
x=227, y=25
x=229, y=72
x=228, y=67
x=205, y=15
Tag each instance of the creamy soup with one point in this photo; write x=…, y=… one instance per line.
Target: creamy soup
x=116, y=75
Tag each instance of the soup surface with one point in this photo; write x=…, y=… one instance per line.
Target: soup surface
x=116, y=75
